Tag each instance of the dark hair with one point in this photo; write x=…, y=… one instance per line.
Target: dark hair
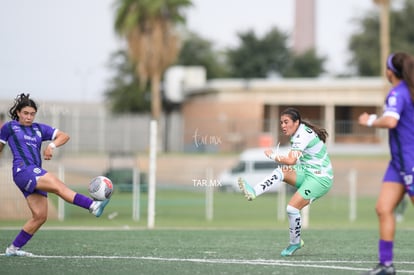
x=402, y=65
x=21, y=101
x=295, y=116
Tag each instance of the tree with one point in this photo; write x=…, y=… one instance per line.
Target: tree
x=260, y=57
x=125, y=93
x=153, y=43
x=199, y=51
x=307, y=64
x=402, y=33
x=256, y=58
x=364, y=45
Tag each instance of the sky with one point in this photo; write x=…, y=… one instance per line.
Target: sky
x=59, y=49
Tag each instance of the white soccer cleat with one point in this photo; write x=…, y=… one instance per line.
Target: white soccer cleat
x=97, y=207
x=15, y=251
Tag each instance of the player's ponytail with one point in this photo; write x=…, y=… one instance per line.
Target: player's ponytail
x=321, y=132
x=295, y=116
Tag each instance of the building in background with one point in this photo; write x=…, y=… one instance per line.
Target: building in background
x=225, y=115
x=245, y=113
x=304, y=33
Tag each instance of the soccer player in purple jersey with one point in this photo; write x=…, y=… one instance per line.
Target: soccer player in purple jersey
x=25, y=137
x=398, y=117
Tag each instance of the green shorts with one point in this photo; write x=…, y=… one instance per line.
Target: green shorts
x=311, y=187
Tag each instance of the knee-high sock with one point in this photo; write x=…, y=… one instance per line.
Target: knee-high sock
x=22, y=238
x=275, y=177
x=82, y=201
x=295, y=224
x=385, y=252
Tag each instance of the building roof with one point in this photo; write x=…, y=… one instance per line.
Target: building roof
x=340, y=91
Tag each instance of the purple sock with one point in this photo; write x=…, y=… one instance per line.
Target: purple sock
x=385, y=252
x=21, y=239
x=82, y=201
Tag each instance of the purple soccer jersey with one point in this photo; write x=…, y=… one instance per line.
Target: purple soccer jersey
x=25, y=142
x=401, y=139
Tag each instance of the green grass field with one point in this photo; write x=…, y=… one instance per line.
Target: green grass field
x=243, y=238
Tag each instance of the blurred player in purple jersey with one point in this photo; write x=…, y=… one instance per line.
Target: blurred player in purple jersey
x=25, y=137
x=398, y=117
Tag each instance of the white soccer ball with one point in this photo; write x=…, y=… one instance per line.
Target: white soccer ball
x=101, y=188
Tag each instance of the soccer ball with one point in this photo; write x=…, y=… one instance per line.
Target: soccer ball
x=101, y=188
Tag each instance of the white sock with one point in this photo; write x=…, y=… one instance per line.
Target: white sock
x=275, y=177
x=295, y=224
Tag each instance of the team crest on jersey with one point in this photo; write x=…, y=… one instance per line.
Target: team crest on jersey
x=38, y=133
x=392, y=101
x=37, y=170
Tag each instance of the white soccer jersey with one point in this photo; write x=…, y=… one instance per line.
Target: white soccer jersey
x=312, y=153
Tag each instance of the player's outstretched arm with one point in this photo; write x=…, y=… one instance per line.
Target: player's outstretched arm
x=60, y=139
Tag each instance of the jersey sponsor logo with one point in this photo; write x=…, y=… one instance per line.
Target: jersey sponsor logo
x=16, y=128
x=29, y=138
x=34, y=145
x=295, y=145
x=307, y=192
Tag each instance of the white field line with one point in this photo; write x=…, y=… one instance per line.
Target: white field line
x=327, y=264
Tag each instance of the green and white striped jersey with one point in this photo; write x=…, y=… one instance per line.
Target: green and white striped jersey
x=311, y=151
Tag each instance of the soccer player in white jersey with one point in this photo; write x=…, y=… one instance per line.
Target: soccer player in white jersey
x=398, y=117
x=307, y=167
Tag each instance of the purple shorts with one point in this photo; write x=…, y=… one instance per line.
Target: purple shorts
x=26, y=179
x=395, y=175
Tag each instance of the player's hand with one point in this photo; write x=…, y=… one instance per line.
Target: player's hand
x=363, y=119
x=48, y=153
x=270, y=154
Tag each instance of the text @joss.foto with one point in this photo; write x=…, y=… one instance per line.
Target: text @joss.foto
x=206, y=183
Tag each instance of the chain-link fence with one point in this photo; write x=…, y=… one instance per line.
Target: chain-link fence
x=97, y=138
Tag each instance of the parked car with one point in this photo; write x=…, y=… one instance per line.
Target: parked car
x=253, y=166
